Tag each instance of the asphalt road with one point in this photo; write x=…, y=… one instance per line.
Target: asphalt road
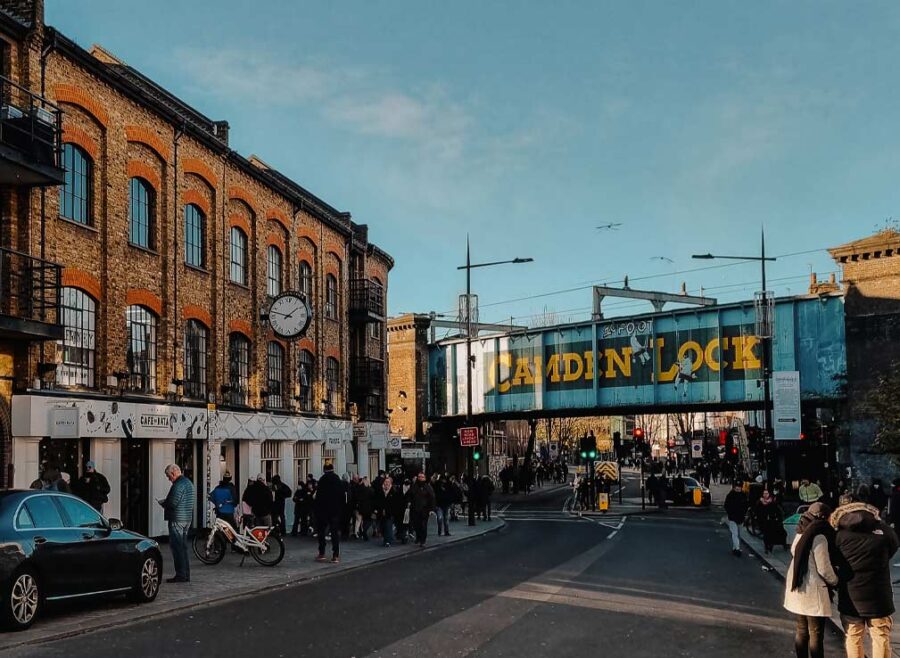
x=545, y=585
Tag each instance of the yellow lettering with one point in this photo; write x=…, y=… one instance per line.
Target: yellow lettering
x=711, y=361
x=613, y=359
x=668, y=375
x=589, y=369
x=504, y=360
x=692, y=346
x=744, y=358
x=553, y=368
x=575, y=373
x=523, y=372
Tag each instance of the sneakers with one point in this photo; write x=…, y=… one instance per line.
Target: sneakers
x=321, y=558
x=335, y=560
x=736, y=552
x=177, y=579
x=386, y=544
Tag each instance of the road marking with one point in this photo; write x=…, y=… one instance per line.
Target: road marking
x=566, y=504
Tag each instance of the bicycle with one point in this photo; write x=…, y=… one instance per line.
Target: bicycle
x=260, y=542
x=751, y=524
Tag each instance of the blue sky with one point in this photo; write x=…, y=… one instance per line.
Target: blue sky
x=527, y=124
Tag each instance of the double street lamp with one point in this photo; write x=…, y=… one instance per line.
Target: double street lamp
x=468, y=267
x=766, y=337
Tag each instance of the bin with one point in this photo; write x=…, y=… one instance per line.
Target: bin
x=698, y=497
x=603, y=502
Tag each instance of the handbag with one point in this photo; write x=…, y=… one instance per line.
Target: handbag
x=406, y=515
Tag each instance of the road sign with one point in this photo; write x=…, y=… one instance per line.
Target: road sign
x=608, y=470
x=468, y=437
x=696, y=448
x=786, y=404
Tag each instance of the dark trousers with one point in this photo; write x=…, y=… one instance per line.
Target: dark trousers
x=486, y=510
x=420, y=523
x=178, y=541
x=301, y=519
x=808, y=639
x=330, y=526
x=280, y=521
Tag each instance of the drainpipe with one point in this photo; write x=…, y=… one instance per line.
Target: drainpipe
x=177, y=134
x=44, y=54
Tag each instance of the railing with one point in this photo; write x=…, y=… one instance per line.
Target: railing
x=29, y=287
x=366, y=299
x=366, y=374
x=30, y=123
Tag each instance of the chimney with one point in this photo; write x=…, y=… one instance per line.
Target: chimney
x=832, y=279
x=813, y=279
x=220, y=130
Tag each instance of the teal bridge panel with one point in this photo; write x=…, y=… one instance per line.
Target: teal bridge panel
x=661, y=361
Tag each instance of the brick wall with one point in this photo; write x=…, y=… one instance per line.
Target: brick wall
x=407, y=341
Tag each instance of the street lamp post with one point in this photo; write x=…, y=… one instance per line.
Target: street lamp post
x=766, y=339
x=468, y=267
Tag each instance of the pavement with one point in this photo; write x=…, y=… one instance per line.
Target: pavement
x=546, y=583
x=223, y=582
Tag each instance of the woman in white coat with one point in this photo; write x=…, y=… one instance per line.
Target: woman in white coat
x=808, y=580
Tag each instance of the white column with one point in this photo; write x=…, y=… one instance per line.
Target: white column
x=162, y=453
x=315, y=459
x=107, y=457
x=250, y=454
x=362, y=459
x=26, y=460
x=340, y=462
x=288, y=477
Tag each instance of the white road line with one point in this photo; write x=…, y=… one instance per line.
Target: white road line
x=612, y=534
x=566, y=504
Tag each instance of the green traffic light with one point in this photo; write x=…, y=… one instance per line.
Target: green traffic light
x=583, y=454
x=592, y=454
x=476, y=455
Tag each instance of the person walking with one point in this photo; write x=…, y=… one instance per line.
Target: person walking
x=224, y=498
x=487, y=491
x=301, y=499
x=92, y=487
x=422, y=505
x=444, y=499
x=178, y=511
x=736, y=509
x=389, y=506
x=809, y=492
x=809, y=578
x=865, y=546
x=328, y=509
x=770, y=518
x=365, y=507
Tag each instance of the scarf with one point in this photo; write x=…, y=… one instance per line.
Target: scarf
x=813, y=522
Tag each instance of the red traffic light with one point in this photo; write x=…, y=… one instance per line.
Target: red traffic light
x=638, y=434
x=802, y=435
x=734, y=450
x=723, y=437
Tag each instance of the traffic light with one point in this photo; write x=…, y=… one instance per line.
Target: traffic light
x=476, y=453
x=638, y=434
x=588, y=447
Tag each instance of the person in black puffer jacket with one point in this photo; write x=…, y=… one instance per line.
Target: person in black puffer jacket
x=864, y=546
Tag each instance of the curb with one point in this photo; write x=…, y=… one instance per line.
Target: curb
x=231, y=595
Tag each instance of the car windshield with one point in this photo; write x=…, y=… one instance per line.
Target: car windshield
x=691, y=482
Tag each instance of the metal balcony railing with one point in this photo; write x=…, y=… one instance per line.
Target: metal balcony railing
x=366, y=374
x=29, y=287
x=31, y=124
x=366, y=301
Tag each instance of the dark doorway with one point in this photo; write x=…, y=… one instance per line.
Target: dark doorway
x=65, y=454
x=136, y=484
x=188, y=459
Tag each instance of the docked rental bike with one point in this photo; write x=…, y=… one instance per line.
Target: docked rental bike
x=260, y=542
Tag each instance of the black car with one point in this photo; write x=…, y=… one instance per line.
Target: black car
x=54, y=546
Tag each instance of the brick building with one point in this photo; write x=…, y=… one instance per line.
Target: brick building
x=168, y=248
x=871, y=279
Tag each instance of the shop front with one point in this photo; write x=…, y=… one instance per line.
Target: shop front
x=131, y=444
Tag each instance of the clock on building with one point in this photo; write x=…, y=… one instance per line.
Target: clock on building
x=289, y=315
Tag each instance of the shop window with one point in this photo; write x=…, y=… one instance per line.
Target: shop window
x=238, y=369
x=76, y=195
x=140, y=325
x=275, y=375
x=306, y=376
x=238, y=256
x=79, y=312
x=302, y=457
x=196, y=339
x=141, y=213
x=270, y=459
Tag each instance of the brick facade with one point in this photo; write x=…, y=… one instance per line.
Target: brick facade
x=407, y=345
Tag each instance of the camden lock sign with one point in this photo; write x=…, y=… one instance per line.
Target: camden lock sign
x=629, y=354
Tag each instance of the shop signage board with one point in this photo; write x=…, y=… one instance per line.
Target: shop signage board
x=64, y=423
x=412, y=453
x=786, y=404
x=333, y=440
x=395, y=442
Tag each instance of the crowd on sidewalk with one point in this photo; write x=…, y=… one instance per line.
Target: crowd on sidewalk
x=844, y=551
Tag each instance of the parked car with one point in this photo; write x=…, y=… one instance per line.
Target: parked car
x=690, y=484
x=55, y=546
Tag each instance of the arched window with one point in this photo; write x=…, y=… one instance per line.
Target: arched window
x=238, y=369
x=306, y=280
x=140, y=326
x=275, y=375
x=273, y=271
x=141, y=213
x=331, y=297
x=194, y=236
x=332, y=384
x=306, y=373
x=196, y=341
x=238, y=256
x=76, y=197
x=79, y=313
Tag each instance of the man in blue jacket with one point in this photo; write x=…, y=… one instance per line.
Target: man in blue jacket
x=178, y=509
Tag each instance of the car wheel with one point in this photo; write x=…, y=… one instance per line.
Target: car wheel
x=21, y=600
x=148, y=579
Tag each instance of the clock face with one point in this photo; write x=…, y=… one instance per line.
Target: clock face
x=289, y=315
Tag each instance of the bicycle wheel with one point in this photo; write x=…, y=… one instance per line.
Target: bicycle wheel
x=273, y=554
x=209, y=553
